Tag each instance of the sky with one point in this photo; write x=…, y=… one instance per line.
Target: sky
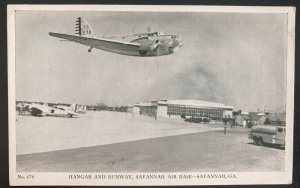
x=238, y=59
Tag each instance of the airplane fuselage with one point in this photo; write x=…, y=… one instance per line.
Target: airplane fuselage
x=150, y=46
x=138, y=44
x=143, y=46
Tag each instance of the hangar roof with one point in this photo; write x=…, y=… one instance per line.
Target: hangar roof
x=194, y=103
x=198, y=103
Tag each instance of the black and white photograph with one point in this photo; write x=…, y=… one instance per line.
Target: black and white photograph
x=150, y=95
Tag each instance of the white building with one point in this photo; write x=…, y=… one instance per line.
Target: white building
x=179, y=108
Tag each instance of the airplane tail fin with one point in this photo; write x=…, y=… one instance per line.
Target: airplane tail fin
x=73, y=107
x=83, y=28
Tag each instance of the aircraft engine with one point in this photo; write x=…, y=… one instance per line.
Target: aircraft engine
x=155, y=44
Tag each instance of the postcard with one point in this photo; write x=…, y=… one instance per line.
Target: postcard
x=150, y=95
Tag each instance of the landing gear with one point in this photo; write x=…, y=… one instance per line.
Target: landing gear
x=90, y=49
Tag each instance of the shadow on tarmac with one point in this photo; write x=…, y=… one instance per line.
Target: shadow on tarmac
x=273, y=146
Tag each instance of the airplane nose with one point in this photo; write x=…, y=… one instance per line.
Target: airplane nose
x=179, y=39
x=175, y=44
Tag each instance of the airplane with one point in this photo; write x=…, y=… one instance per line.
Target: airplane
x=74, y=108
x=45, y=110
x=22, y=108
x=147, y=44
x=81, y=109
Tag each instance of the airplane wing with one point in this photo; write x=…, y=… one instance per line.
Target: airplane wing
x=41, y=108
x=38, y=109
x=146, y=34
x=99, y=42
x=72, y=113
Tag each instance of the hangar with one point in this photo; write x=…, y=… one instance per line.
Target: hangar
x=179, y=108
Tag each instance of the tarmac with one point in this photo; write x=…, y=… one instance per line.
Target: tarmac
x=44, y=134
x=118, y=142
x=211, y=151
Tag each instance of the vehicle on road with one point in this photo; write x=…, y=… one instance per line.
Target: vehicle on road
x=268, y=134
x=198, y=119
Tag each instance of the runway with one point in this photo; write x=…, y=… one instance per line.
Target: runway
x=43, y=134
x=197, y=152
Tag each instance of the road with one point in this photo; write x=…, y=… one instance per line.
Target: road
x=201, y=152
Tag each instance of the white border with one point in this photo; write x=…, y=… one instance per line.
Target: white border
x=244, y=178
